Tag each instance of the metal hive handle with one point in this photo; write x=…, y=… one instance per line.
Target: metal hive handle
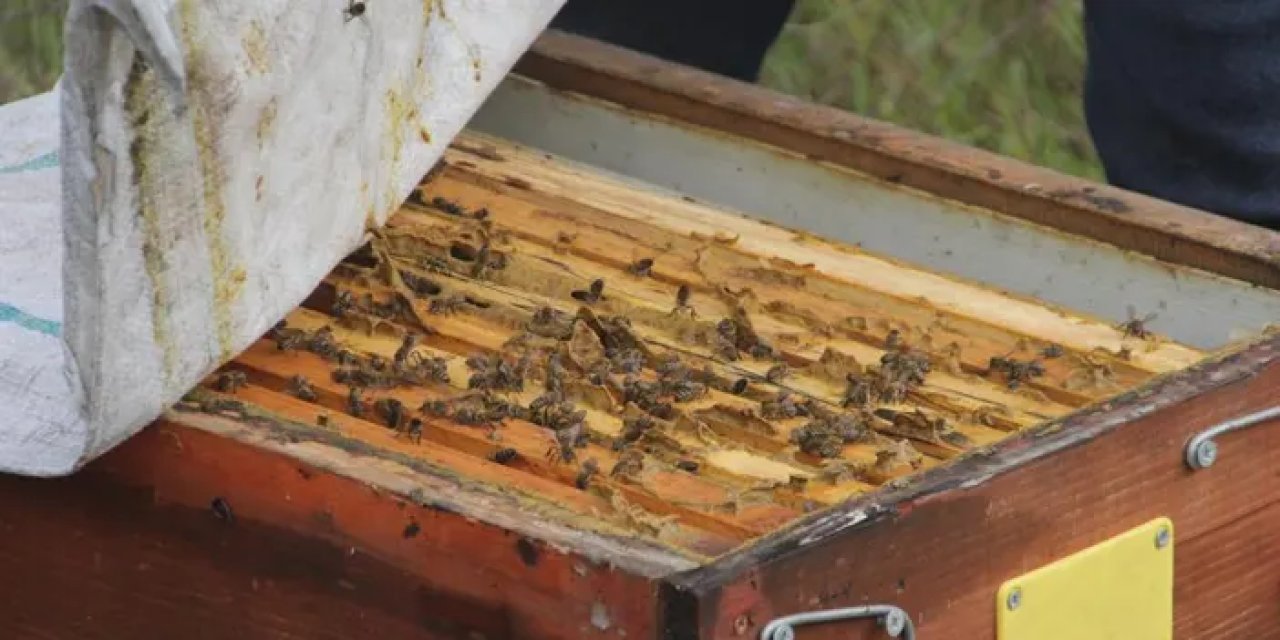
x=895, y=621
x=1202, y=451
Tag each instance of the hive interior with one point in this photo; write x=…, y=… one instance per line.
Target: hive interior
x=637, y=363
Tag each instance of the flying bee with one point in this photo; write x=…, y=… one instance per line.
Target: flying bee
x=593, y=294
x=1136, y=327
x=588, y=470
x=301, y=389
x=641, y=268
x=230, y=381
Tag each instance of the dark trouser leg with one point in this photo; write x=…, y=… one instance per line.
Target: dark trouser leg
x=728, y=37
x=1183, y=101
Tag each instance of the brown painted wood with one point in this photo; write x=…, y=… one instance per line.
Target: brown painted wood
x=131, y=548
x=1170, y=232
x=941, y=548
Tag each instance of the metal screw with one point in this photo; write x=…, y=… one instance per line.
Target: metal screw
x=1163, y=537
x=1015, y=599
x=1206, y=454
x=895, y=622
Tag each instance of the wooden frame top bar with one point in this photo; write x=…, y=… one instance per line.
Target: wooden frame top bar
x=1167, y=231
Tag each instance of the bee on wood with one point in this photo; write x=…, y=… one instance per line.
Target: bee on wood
x=893, y=340
x=377, y=363
x=630, y=464
x=504, y=456
x=343, y=302
x=406, y=347
x=421, y=287
x=726, y=340
x=322, y=343
x=858, y=393
x=289, y=339
x=593, y=294
x=447, y=306
x=588, y=470
x=424, y=369
x=682, y=300
x=1136, y=327
x=355, y=9
x=688, y=466
x=346, y=358
x=761, y=351
x=565, y=441
x=322, y=420
x=632, y=430
x=414, y=430
x=739, y=386
x=301, y=389
x=627, y=361
x=355, y=404
x=783, y=406
x=448, y=206
x=1051, y=351
x=437, y=408
x=481, y=214
x=1015, y=371
x=641, y=268
x=777, y=373
x=391, y=411
x=230, y=381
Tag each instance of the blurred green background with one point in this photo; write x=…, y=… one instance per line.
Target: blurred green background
x=1005, y=75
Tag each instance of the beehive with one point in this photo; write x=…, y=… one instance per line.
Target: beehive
x=635, y=363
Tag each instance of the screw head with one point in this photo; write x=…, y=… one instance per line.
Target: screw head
x=1163, y=537
x=1014, y=600
x=1206, y=454
x=895, y=622
x=785, y=633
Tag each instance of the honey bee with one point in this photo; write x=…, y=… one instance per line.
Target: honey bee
x=1015, y=371
x=641, y=268
x=739, y=386
x=782, y=406
x=342, y=303
x=632, y=430
x=355, y=9
x=446, y=205
x=230, y=381
x=593, y=294
x=565, y=442
x=391, y=410
x=858, y=393
x=437, y=408
x=1136, y=327
x=406, y=347
x=1051, y=351
x=504, y=456
x=447, y=306
x=682, y=299
x=893, y=340
x=301, y=389
x=588, y=470
x=630, y=463
x=688, y=466
x=777, y=373
x=421, y=287
x=355, y=404
x=414, y=430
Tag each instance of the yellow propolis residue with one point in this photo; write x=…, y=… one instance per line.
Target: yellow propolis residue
x=226, y=284
x=149, y=114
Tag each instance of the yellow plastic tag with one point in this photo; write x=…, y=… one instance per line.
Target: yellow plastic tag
x=1120, y=589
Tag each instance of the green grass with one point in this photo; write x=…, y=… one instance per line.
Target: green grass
x=1004, y=75
x=30, y=46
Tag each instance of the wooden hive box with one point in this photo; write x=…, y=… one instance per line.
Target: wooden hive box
x=580, y=395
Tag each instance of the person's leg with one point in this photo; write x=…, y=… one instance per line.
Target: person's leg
x=728, y=37
x=1183, y=101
